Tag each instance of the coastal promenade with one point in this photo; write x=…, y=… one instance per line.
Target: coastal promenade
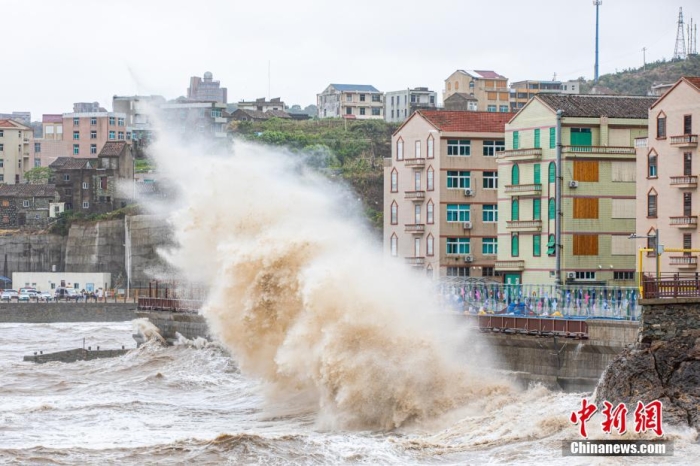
x=46, y=313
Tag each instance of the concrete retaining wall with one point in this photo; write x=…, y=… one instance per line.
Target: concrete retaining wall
x=75, y=355
x=190, y=326
x=41, y=313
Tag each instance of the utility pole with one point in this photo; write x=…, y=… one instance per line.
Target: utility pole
x=644, y=55
x=597, y=4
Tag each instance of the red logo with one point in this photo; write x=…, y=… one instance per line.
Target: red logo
x=647, y=417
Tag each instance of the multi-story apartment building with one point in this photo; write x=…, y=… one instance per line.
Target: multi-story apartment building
x=489, y=88
x=206, y=90
x=522, y=91
x=440, y=192
x=597, y=212
x=51, y=145
x=667, y=180
x=399, y=105
x=16, y=141
x=139, y=110
x=186, y=118
x=24, y=118
x=262, y=105
x=86, y=133
x=360, y=101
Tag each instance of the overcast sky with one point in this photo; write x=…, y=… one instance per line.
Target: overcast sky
x=59, y=52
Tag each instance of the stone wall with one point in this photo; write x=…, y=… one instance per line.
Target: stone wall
x=97, y=247
x=666, y=319
x=31, y=253
x=40, y=313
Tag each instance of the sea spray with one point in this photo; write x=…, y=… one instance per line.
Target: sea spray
x=301, y=296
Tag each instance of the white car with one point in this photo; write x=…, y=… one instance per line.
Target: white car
x=23, y=297
x=30, y=291
x=44, y=296
x=8, y=295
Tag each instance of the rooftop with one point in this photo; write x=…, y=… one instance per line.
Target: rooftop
x=112, y=148
x=484, y=74
x=12, y=124
x=475, y=122
x=355, y=87
x=72, y=163
x=594, y=106
x=27, y=190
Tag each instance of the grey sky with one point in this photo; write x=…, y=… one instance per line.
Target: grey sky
x=60, y=52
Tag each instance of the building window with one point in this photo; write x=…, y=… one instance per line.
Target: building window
x=552, y=172
x=458, y=213
x=536, y=245
x=492, y=148
x=394, y=181
x=537, y=138
x=362, y=97
x=120, y=135
x=111, y=121
x=514, y=210
x=489, y=272
x=490, y=213
x=430, y=246
x=76, y=121
x=394, y=213
x=417, y=150
x=362, y=110
x=537, y=178
x=25, y=203
x=460, y=147
x=348, y=97
x=76, y=149
x=399, y=149
x=86, y=205
x=93, y=134
x=93, y=121
x=76, y=135
x=69, y=191
x=661, y=127
x=687, y=163
x=66, y=177
x=37, y=163
x=394, y=245
x=120, y=121
x=348, y=110
x=490, y=180
x=514, y=245
x=93, y=148
x=552, y=209
x=416, y=181
x=516, y=140
x=623, y=275
x=687, y=244
x=491, y=108
x=552, y=138
x=431, y=147
x=430, y=179
x=687, y=124
x=458, y=179
x=651, y=205
x=652, y=169
x=471, y=106
x=430, y=213
x=376, y=111
x=2, y=147
x=37, y=147
x=112, y=135
x=551, y=246
x=687, y=204
x=585, y=245
x=458, y=246
x=503, y=108
x=589, y=276
x=489, y=246
x=537, y=209
x=417, y=213
x=457, y=271
x=128, y=135
x=515, y=175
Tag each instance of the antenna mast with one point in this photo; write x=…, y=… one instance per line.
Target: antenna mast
x=679, y=51
x=597, y=4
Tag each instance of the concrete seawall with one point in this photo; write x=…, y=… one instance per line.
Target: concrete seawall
x=43, y=313
x=74, y=355
x=190, y=326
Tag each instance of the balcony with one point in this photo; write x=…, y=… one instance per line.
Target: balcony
x=599, y=151
x=524, y=189
x=524, y=225
x=219, y=120
x=685, y=141
x=26, y=140
x=684, y=182
x=688, y=222
x=415, y=163
x=415, y=228
x=415, y=261
x=534, y=153
x=641, y=142
x=510, y=266
x=685, y=262
x=415, y=196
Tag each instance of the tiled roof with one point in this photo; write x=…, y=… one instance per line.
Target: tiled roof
x=27, y=190
x=484, y=74
x=51, y=118
x=254, y=114
x=694, y=80
x=598, y=105
x=462, y=95
x=112, y=148
x=354, y=87
x=72, y=163
x=12, y=124
x=475, y=122
x=278, y=113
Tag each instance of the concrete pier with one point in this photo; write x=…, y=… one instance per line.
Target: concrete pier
x=78, y=354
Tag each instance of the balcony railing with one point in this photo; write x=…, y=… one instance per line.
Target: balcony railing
x=685, y=140
x=524, y=189
x=415, y=228
x=523, y=154
x=684, y=181
x=641, y=142
x=510, y=265
x=525, y=225
x=599, y=150
x=415, y=195
x=415, y=261
x=685, y=262
x=688, y=221
x=416, y=163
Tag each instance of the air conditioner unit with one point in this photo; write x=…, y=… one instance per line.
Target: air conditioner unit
x=467, y=225
x=571, y=275
x=573, y=184
x=468, y=258
x=468, y=192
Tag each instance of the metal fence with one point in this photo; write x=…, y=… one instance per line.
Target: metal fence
x=671, y=285
x=566, y=301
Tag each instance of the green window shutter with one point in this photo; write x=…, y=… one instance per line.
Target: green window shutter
x=516, y=140
x=581, y=137
x=514, y=210
x=537, y=209
x=515, y=175
x=514, y=246
x=552, y=209
x=537, y=138
x=552, y=138
x=552, y=172
x=538, y=178
x=551, y=247
x=536, y=245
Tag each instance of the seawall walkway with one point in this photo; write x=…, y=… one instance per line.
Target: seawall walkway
x=45, y=313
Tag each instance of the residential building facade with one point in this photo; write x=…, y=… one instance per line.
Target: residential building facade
x=201, y=119
x=358, y=101
x=26, y=205
x=522, y=91
x=399, y=105
x=51, y=145
x=597, y=212
x=86, y=133
x=440, y=193
x=206, y=89
x=16, y=141
x=667, y=179
x=263, y=105
x=489, y=88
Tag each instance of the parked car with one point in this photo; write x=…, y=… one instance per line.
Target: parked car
x=8, y=295
x=44, y=296
x=30, y=291
x=66, y=293
x=23, y=297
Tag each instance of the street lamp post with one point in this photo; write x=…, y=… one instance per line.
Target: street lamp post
x=658, y=249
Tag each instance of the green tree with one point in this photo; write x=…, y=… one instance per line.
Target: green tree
x=38, y=175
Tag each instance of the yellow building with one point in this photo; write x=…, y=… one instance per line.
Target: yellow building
x=15, y=151
x=489, y=88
